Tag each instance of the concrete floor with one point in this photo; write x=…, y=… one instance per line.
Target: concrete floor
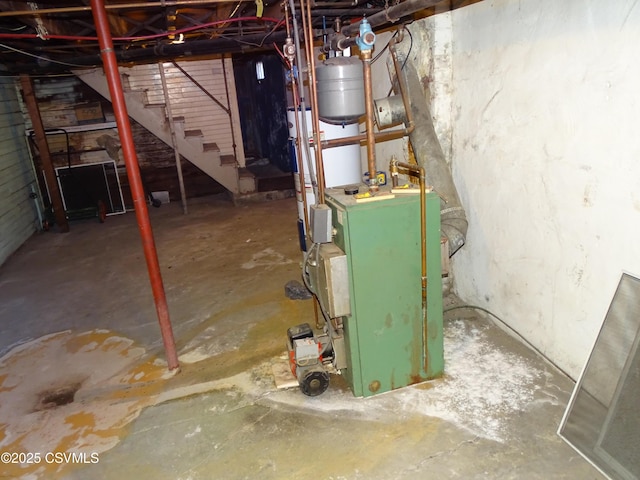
x=76, y=315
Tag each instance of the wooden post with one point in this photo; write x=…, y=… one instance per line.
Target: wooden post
x=174, y=142
x=45, y=155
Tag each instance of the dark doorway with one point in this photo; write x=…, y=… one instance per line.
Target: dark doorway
x=263, y=117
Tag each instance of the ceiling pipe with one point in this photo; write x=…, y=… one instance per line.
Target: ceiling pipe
x=390, y=15
x=160, y=52
x=135, y=180
x=343, y=12
x=113, y=6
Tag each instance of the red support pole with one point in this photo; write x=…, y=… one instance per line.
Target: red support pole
x=133, y=172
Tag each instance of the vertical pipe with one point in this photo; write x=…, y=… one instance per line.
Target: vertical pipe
x=301, y=168
x=393, y=169
x=133, y=171
x=303, y=103
x=314, y=102
x=402, y=82
x=174, y=141
x=368, y=101
x=296, y=109
x=423, y=252
x=226, y=90
x=45, y=155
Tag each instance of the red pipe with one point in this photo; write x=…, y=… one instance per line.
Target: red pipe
x=133, y=172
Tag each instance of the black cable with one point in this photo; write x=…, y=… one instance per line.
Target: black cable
x=404, y=27
x=384, y=49
x=410, y=47
x=511, y=329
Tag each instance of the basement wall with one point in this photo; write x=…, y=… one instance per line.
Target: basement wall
x=545, y=152
x=18, y=216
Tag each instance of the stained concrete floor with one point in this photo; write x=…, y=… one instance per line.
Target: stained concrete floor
x=77, y=318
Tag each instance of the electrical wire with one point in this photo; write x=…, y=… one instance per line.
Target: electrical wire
x=305, y=273
x=39, y=57
x=235, y=10
x=384, y=49
x=285, y=60
x=278, y=22
x=17, y=29
x=406, y=29
x=509, y=328
x=228, y=37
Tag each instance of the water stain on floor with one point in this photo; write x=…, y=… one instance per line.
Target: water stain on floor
x=71, y=392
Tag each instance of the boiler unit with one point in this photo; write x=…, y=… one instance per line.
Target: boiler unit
x=364, y=266
x=372, y=258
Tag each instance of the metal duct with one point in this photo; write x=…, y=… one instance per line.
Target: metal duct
x=430, y=156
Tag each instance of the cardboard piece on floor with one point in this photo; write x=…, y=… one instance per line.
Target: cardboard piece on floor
x=282, y=374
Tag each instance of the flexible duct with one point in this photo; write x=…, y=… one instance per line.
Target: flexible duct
x=430, y=156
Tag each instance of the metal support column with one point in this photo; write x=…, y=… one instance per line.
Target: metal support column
x=135, y=181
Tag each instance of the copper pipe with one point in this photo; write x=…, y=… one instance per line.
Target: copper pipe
x=370, y=134
x=135, y=181
x=394, y=167
x=116, y=6
x=314, y=102
x=285, y=5
x=297, y=109
x=301, y=93
x=393, y=134
x=379, y=137
x=402, y=82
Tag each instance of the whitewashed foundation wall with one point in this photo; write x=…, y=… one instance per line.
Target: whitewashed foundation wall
x=546, y=156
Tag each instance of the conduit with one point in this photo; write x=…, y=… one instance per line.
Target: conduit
x=135, y=181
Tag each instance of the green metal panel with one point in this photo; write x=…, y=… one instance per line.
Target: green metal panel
x=384, y=333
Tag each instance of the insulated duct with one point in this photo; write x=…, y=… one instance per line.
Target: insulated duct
x=430, y=156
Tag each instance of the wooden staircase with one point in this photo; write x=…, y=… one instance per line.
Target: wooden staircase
x=191, y=142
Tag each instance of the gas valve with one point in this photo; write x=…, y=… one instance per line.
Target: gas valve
x=289, y=50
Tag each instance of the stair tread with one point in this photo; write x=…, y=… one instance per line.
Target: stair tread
x=193, y=133
x=210, y=147
x=227, y=160
x=210, y=163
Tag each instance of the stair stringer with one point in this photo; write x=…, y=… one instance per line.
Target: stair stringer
x=155, y=120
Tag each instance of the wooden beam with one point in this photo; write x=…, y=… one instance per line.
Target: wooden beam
x=45, y=156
